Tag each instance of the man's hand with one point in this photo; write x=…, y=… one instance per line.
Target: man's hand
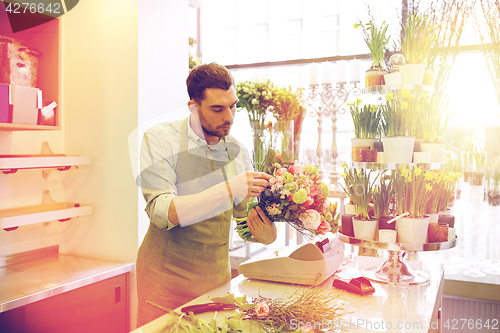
x=261, y=227
x=249, y=184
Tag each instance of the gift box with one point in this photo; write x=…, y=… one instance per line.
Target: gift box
x=24, y=105
x=5, y=114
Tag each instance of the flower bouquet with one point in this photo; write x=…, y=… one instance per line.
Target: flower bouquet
x=296, y=196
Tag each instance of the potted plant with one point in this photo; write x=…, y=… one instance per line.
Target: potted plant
x=382, y=199
x=419, y=35
x=413, y=187
x=376, y=39
x=494, y=184
x=346, y=219
x=366, y=119
x=398, y=147
x=361, y=187
x=256, y=97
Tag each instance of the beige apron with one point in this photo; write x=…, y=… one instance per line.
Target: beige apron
x=177, y=265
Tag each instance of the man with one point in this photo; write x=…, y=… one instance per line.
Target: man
x=194, y=177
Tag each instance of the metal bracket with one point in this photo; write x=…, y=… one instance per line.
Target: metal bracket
x=47, y=200
x=46, y=151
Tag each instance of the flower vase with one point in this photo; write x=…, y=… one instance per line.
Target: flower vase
x=398, y=149
x=284, y=132
x=412, y=73
x=437, y=150
x=412, y=230
x=365, y=230
x=259, y=142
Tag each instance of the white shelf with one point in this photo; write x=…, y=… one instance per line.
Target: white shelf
x=16, y=217
x=14, y=163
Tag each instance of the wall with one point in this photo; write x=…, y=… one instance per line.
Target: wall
x=99, y=45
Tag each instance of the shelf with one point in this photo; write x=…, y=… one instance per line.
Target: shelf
x=13, y=163
x=395, y=166
x=63, y=211
x=26, y=127
x=397, y=246
x=417, y=88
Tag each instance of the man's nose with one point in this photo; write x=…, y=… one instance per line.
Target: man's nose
x=228, y=115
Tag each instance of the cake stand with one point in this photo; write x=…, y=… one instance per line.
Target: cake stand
x=395, y=270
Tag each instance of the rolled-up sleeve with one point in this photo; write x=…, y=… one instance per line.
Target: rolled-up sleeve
x=157, y=179
x=240, y=210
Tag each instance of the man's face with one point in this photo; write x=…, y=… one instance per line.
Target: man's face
x=216, y=112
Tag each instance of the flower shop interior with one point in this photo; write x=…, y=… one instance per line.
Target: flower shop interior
x=391, y=108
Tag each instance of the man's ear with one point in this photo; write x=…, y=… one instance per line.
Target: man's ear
x=192, y=107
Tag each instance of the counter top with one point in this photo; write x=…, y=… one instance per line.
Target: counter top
x=415, y=308
x=34, y=280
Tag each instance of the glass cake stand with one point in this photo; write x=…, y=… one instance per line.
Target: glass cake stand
x=395, y=270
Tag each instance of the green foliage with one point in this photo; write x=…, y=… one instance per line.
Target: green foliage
x=376, y=40
x=359, y=186
x=419, y=38
x=286, y=104
x=366, y=119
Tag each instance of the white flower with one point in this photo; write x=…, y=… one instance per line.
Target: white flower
x=245, y=89
x=311, y=219
x=255, y=101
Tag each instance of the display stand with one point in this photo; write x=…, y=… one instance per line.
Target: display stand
x=394, y=270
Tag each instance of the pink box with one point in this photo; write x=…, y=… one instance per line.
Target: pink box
x=4, y=104
x=25, y=105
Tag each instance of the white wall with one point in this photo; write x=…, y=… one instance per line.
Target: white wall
x=163, y=69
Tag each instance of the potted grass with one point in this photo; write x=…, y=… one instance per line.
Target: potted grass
x=494, y=184
x=376, y=39
x=349, y=187
x=434, y=121
x=366, y=119
x=398, y=146
x=419, y=35
x=413, y=187
x=382, y=198
x=361, y=186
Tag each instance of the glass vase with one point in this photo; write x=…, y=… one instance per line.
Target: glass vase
x=260, y=143
x=284, y=136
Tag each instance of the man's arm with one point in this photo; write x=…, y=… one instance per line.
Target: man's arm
x=187, y=208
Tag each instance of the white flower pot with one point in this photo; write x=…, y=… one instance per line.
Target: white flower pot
x=428, y=78
x=393, y=78
x=350, y=209
x=412, y=73
x=367, y=142
x=374, y=77
x=387, y=236
x=412, y=230
x=365, y=230
x=380, y=157
x=398, y=149
x=436, y=149
x=433, y=217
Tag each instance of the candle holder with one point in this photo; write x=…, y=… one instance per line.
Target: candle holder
x=328, y=100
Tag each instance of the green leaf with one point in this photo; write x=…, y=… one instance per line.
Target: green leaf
x=228, y=299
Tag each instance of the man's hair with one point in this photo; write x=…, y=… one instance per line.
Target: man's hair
x=207, y=76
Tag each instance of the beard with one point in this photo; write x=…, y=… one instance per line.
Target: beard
x=217, y=131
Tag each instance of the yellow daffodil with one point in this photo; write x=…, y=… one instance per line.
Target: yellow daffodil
x=407, y=94
x=428, y=187
x=429, y=176
x=404, y=171
x=417, y=171
x=404, y=105
x=389, y=96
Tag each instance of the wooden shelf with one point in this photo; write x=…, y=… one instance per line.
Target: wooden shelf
x=395, y=166
x=16, y=217
x=26, y=127
x=13, y=163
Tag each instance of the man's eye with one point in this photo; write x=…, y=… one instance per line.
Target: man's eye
x=217, y=110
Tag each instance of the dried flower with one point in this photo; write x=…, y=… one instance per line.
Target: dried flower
x=262, y=309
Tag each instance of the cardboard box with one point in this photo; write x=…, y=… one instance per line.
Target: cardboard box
x=25, y=105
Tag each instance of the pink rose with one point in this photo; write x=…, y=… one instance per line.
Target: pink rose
x=297, y=167
x=308, y=202
x=313, y=190
x=280, y=171
x=262, y=309
x=324, y=227
x=278, y=156
x=311, y=219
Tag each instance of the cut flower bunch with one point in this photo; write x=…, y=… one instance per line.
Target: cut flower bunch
x=296, y=196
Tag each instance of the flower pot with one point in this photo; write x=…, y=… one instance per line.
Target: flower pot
x=393, y=78
x=368, y=155
x=350, y=209
x=428, y=79
x=356, y=153
x=412, y=73
x=437, y=232
x=437, y=150
x=365, y=230
x=422, y=157
x=380, y=157
x=382, y=223
x=444, y=212
x=476, y=178
x=374, y=77
x=447, y=219
x=364, y=142
x=398, y=149
x=433, y=217
x=346, y=225
x=412, y=230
